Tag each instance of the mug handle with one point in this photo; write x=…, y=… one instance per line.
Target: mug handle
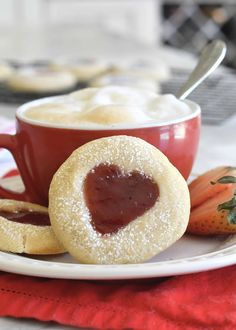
x=9, y=142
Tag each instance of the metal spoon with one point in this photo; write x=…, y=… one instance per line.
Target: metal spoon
x=209, y=60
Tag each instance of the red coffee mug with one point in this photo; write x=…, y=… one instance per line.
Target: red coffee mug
x=39, y=149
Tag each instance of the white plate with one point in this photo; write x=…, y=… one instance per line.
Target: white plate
x=190, y=254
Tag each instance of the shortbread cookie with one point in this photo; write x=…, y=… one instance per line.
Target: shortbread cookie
x=26, y=228
x=41, y=80
x=83, y=68
x=126, y=80
x=118, y=200
x=5, y=71
x=144, y=68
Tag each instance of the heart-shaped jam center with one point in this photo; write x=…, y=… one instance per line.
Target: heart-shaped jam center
x=114, y=198
x=27, y=217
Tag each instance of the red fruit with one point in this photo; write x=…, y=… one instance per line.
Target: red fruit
x=213, y=202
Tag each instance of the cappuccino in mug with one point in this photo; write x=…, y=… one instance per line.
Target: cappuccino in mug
x=50, y=129
x=111, y=106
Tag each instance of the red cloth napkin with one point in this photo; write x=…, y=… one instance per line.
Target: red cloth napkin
x=204, y=301
x=201, y=301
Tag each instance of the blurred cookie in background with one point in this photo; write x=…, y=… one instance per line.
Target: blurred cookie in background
x=6, y=70
x=152, y=69
x=84, y=69
x=42, y=80
x=126, y=80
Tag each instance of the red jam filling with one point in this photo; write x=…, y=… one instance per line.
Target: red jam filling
x=114, y=199
x=27, y=217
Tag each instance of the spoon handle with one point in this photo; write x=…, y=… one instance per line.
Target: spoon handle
x=209, y=60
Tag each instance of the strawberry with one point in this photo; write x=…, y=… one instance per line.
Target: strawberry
x=213, y=202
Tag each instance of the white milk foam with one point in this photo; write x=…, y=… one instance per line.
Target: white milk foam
x=110, y=106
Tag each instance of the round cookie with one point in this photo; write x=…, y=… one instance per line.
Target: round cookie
x=118, y=200
x=83, y=68
x=41, y=80
x=20, y=233
x=125, y=80
x=5, y=71
x=143, y=68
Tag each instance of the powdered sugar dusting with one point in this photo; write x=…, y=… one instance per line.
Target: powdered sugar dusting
x=142, y=238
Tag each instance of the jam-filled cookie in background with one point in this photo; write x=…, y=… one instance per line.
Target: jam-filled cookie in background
x=83, y=68
x=41, y=80
x=26, y=228
x=118, y=200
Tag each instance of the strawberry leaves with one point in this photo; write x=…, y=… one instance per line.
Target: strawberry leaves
x=230, y=205
x=225, y=179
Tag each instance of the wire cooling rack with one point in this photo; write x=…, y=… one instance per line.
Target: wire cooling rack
x=10, y=97
x=216, y=96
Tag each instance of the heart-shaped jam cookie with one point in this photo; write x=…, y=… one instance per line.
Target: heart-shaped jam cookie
x=118, y=200
x=26, y=228
x=114, y=198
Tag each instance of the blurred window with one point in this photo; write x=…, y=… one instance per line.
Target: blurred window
x=136, y=20
x=190, y=25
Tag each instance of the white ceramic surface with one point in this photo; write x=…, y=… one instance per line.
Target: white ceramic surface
x=189, y=255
